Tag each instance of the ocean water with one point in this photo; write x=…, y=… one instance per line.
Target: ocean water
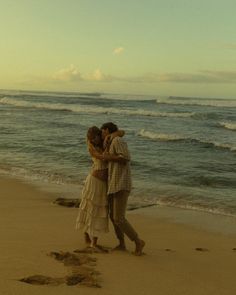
x=183, y=149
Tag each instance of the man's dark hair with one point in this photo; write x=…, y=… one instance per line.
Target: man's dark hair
x=110, y=126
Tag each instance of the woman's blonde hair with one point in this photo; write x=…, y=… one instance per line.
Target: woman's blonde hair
x=92, y=133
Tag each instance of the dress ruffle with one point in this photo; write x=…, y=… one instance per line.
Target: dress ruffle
x=93, y=210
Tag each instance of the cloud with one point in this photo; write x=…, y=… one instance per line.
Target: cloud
x=118, y=50
x=71, y=74
x=199, y=77
x=220, y=76
x=98, y=76
x=68, y=74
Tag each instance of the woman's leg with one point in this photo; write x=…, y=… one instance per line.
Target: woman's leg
x=94, y=242
x=87, y=239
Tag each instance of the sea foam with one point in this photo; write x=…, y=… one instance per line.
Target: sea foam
x=197, y=101
x=175, y=137
x=228, y=125
x=90, y=109
x=160, y=136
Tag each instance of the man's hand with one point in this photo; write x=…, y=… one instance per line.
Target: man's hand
x=122, y=160
x=114, y=158
x=107, y=141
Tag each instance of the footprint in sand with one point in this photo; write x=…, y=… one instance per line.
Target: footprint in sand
x=81, y=268
x=71, y=259
x=71, y=280
x=42, y=280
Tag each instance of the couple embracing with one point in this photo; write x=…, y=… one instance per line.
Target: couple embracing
x=107, y=188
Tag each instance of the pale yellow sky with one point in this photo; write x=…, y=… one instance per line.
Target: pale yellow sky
x=164, y=47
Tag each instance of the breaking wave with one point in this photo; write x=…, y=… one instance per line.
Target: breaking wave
x=197, y=101
x=90, y=109
x=228, y=125
x=160, y=136
x=22, y=94
x=175, y=137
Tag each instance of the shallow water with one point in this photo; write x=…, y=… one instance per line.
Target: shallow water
x=183, y=149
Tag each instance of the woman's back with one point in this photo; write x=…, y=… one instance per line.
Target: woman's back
x=98, y=164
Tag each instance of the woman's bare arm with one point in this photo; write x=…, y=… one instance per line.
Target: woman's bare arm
x=105, y=156
x=94, y=152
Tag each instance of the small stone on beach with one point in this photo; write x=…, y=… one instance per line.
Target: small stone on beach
x=201, y=249
x=71, y=203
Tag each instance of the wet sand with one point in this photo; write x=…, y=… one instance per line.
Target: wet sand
x=39, y=242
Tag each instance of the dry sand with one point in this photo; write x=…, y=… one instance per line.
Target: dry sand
x=32, y=227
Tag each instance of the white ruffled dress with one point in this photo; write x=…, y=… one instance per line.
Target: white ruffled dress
x=93, y=210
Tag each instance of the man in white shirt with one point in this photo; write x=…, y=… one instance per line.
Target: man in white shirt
x=119, y=187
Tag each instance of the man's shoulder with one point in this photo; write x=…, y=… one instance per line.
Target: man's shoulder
x=118, y=139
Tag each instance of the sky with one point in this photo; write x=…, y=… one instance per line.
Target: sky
x=159, y=47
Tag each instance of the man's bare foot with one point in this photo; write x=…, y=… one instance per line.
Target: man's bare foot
x=139, y=247
x=87, y=239
x=119, y=248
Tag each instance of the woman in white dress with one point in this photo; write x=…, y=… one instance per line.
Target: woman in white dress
x=93, y=210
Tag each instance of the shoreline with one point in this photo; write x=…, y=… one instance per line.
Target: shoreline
x=180, y=259
x=200, y=219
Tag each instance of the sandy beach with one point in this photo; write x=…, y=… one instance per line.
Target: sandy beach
x=179, y=259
